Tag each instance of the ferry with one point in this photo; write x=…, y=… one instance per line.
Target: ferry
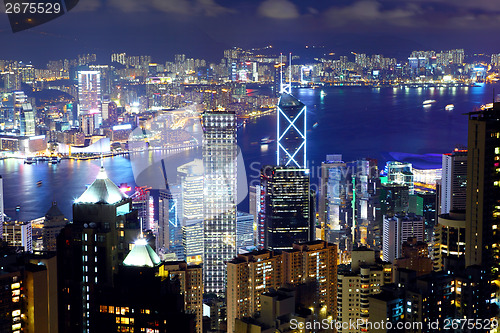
x=449, y=107
x=266, y=140
x=429, y=101
x=29, y=160
x=54, y=160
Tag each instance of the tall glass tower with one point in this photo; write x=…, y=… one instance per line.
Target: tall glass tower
x=219, y=206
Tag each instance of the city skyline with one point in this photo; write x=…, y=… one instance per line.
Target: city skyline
x=201, y=27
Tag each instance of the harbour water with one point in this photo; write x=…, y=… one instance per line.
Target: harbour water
x=356, y=122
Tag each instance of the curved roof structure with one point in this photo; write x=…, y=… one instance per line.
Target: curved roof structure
x=102, y=190
x=142, y=255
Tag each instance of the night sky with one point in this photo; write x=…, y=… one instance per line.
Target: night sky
x=203, y=28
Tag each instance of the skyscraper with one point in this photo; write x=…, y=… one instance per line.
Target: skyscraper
x=1, y=207
x=219, y=199
x=90, y=249
x=286, y=215
x=89, y=92
x=291, y=136
x=454, y=181
x=482, y=245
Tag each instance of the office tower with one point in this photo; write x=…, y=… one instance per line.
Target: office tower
x=400, y=173
x=191, y=180
x=52, y=226
x=311, y=266
x=89, y=92
x=244, y=231
x=397, y=230
x=357, y=283
x=19, y=234
x=394, y=199
x=2, y=218
x=90, y=250
x=219, y=205
x=191, y=285
x=454, y=181
x=192, y=241
x=248, y=277
x=482, y=209
x=155, y=303
x=449, y=240
x=414, y=256
x=254, y=208
x=291, y=132
x=285, y=215
x=331, y=193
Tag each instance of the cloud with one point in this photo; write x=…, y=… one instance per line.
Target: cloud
x=127, y=6
x=182, y=7
x=88, y=6
x=368, y=12
x=278, y=9
x=211, y=8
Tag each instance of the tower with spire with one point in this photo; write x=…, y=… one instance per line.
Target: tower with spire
x=90, y=249
x=291, y=125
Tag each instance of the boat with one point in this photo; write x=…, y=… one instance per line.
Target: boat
x=323, y=93
x=266, y=140
x=29, y=160
x=18, y=208
x=315, y=125
x=39, y=183
x=429, y=101
x=449, y=107
x=54, y=160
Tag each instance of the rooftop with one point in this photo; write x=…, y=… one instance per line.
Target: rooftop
x=102, y=190
x=142, y=255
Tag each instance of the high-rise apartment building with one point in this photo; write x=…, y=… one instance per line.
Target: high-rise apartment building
x=311, y=264
x=52, y=226
x=482, y=241
x=190, y=278
x=219, y=201
x=397, y=230
x=357, y=283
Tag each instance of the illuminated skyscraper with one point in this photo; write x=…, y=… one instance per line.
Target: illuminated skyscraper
x=90, y=250
x=291, y=132
x=89, y=92
x=1, y=207
x=219, y=206
x=482, y=243
x=287, y=213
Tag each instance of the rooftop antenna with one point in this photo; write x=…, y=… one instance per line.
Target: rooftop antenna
x=281, y=73
x=285, y=87
x=290, y=71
